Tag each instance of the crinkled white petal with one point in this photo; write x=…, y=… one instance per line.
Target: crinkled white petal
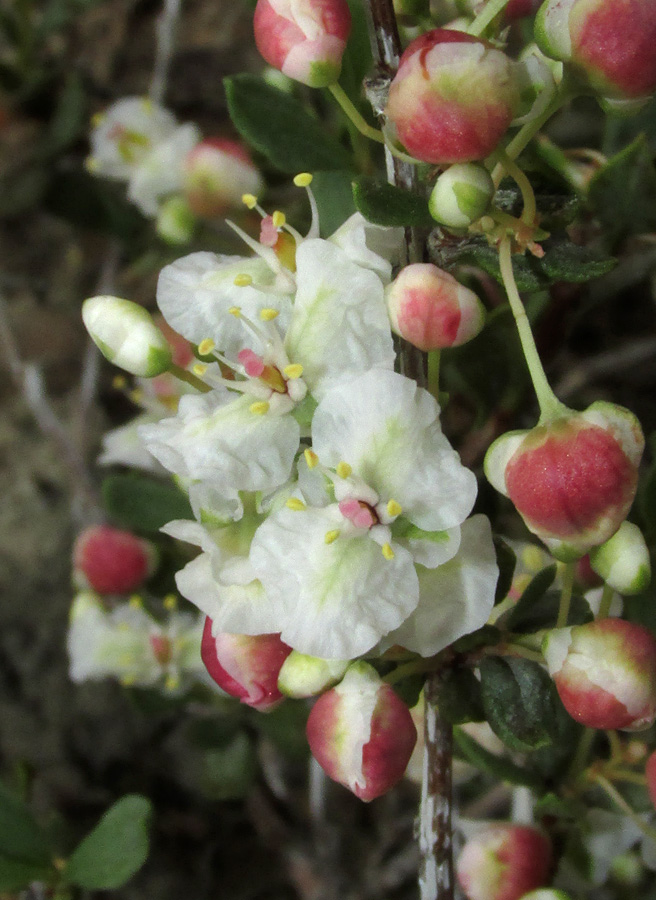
x=339, y=325
x=333, y=600
x=195, y=293
x=161, y=172
x=433, y=553
x=388, y=430
x=454, y=599
x=124, y=446
x=225, y=444
x=371, y=246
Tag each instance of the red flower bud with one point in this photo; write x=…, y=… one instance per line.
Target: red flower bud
x=605, y=673
x=452, y=98
x=304, y=39
x=245, y=666
x=112, y=561
x=610, y=41
x=573, y=479
x=504, y=862
x=361, y=733
x=432, y=310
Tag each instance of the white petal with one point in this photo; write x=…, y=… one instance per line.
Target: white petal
x=124, y=446
x=160, y=172
x=148, y=122
x=334, y=600
x=339, y=325
x=371, y=246
x=454, y=599
x=433, y=553
x=388, y=430
x=195, y=293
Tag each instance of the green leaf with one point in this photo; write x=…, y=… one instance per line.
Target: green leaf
x=486, y=635
x=506, y=561
x=334, y=196
x=536, y=589
x=356, y=61
x=623, y=193
x=116, y=848
x=16, y=874
x=544, y=613
x=281, y=128
x=143, y=504
x=21, y=838
x=498, y=766
x=285, y=726
x=566, y=261
x=459, y=697
x=568, y=808
x=518, y=698
x=230, y=770
x=385, y=204
x=409, y=689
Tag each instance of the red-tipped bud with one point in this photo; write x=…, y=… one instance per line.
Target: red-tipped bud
x=605, y=673
x=217, y=173
x=361, y=733
x=112, y=561
x=610, y=41
x=305, y=39
x=245, y=666
x=504, y=862
x=452, y=98
x=432, y=310
x=650, y=773
x=623, y=561
x=572, y=480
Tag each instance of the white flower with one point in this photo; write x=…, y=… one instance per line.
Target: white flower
x=161, y=172
x=342, y=575
x=371, y=246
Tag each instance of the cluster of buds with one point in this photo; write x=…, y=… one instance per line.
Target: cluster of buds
x=504, y=862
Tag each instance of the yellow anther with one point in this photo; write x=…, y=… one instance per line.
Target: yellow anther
x=172, y=682
x=243, y=280
x=303, y=179
x=268, y=314
x=249, y=200
x=387, y=551
x=331, y=536
x=136, y=602
x=293, y=370
x=279, y=219
x=259, y=408
x=170, y=601
x=206, y=346
x=147, y=105
x=311, y=459
x=235, y=311
x=343, y=469
x=199, y=369
x=123, y=626
x=394, y=508
x=97, y=119
x=128, y=680
x=91, y=164
x=119, y=382
x=295, y=504
x=136, y=395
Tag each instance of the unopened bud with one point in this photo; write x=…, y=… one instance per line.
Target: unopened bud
x=623, y=561
x=112, y=561
x=305, y=676
x=126, y=335
x=461, y=195
x=504, y=862
x=176, y=222
x=218, y=172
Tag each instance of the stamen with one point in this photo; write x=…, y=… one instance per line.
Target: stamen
x=136, y=396
x=119, y=382
x=235, y=311
x=259, y=408
x=394, y=508
x=331, y=536
x=295, y=504
x=268, y=232
x=303, y=179
x=279, y=219
x=128, y=680
x=293, y=370
x=172, y=682
x=147, y=105
x=343, y=469
x=206, y=346
x=170, y=601
x=91, y=164
x=311, y=459
x=268, y=314
x=249, y=200
x=387, y=551
x=265, y=253
x=243, y=280
x=136, y=602
x=199, y=369
x=97, y=119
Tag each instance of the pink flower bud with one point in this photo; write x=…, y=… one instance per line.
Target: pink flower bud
x=245, y=666
x=605, y=673
x=452, y=98
x=217, y=173
x=432, y=310
x=504, y=862
x=573, y=479
x=610, y=41
x=361, y=733
x=650, y=773
x=305, y=39
x=112, y=561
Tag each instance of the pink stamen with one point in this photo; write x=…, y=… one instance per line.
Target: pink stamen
x=253, y=363
x=162, y=649
x=268, y=232
x=360, y=514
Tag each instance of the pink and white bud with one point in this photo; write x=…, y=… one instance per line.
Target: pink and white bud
x=245, y=666
x=461, y=195
x=650, y=774
x=126, y=335
x=431, y=310
x=609, y=41
x=504, y=862
x=304, y=39
x=306, y=676
x=623, y=561
x=361, y=733
x=217, y=173
x=605, y=673
x=112, y=561
x=452, y=98
x=573, y=479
